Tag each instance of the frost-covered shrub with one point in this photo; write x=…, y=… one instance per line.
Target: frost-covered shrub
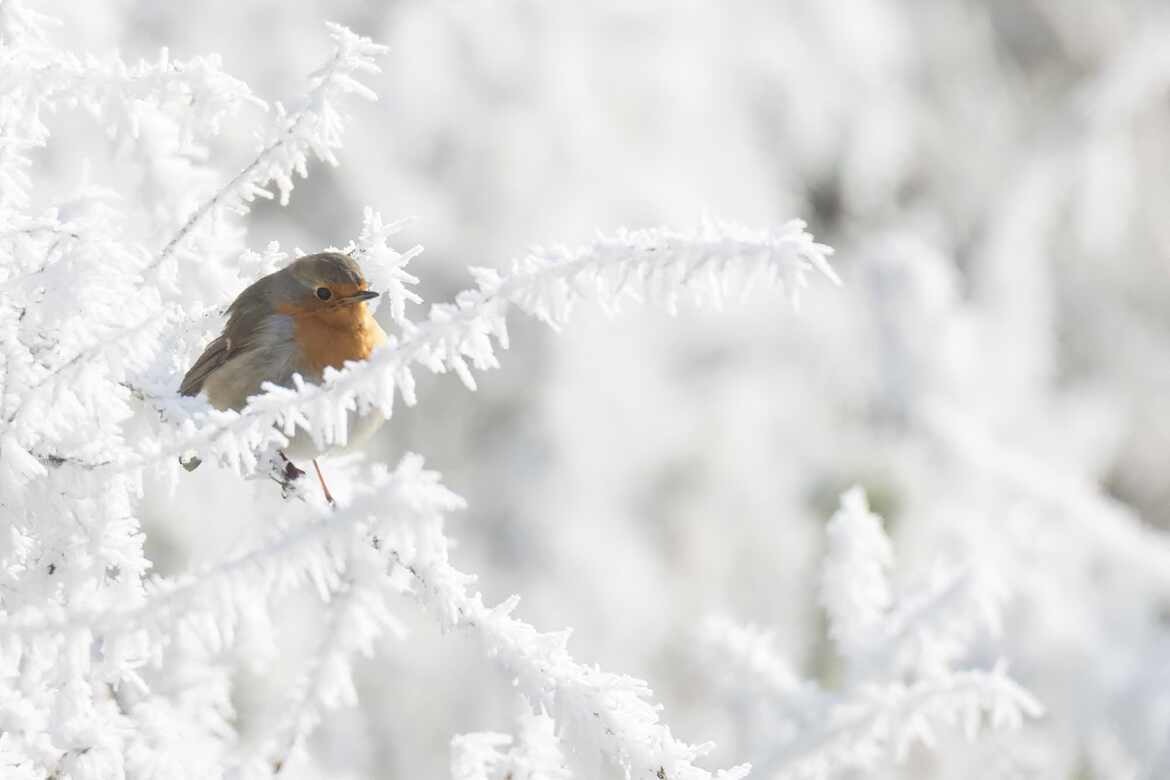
x=902, y=681
x=991, y=370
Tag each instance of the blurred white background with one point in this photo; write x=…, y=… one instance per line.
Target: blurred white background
x=993, y=174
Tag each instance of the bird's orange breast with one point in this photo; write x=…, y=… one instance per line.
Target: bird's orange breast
x=330, y=338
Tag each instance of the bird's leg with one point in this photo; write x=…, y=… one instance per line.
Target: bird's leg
x=328, y=495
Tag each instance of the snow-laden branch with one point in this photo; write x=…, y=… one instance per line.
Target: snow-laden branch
x=606, y=712
x=313, y=129
x=357, y=616
x=309, y=552
x=657, y=266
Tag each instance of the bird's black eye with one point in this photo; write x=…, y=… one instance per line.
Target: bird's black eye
x=323, y=293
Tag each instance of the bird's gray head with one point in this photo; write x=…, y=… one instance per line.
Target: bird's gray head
x=328, y=269
x=315, y=284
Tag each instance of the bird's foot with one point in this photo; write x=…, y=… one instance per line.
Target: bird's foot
x=291, y=472
x=286, y=474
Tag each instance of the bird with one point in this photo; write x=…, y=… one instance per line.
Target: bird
x=310, y=315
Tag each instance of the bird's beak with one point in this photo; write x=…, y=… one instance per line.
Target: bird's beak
x=362, y=295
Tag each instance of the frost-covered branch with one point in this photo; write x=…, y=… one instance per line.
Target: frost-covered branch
x=357, y=616
x=605, y=712
x=315, y=128
x=657, y=266
x=40, y=77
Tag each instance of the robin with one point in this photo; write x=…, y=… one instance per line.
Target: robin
x=299, y=320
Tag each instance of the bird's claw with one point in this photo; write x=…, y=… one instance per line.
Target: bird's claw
x=291, y=472
x=286, y=474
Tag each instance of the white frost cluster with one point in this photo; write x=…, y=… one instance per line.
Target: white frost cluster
x=855, y=588
x=884, y=704
x=536, y=753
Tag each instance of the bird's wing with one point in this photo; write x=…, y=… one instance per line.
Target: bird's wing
x=217, y=353
x=245, y=316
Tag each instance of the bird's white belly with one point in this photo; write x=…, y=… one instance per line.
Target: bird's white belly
x=360, y=428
